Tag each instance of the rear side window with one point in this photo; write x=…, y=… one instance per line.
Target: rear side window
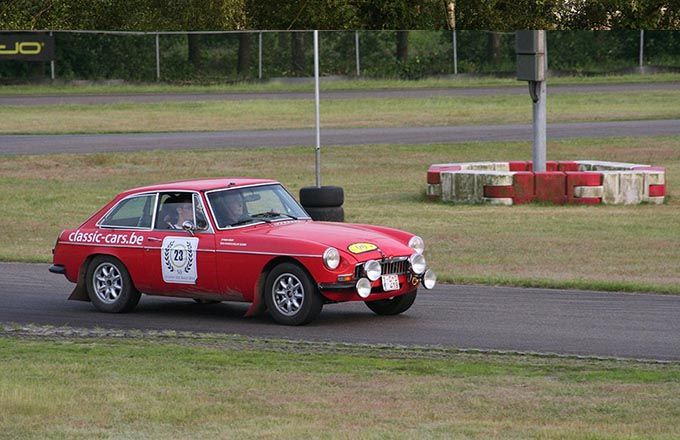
x=133, y=212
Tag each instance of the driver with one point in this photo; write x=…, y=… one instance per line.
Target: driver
x=233, y=208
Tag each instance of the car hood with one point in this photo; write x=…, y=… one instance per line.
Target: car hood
x=342, y=236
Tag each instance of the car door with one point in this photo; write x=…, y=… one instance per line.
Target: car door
x=179, y=262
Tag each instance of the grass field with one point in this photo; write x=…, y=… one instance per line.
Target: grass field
x=368, y=112
x=294, y=86
x=633, y=248
x=160, y=389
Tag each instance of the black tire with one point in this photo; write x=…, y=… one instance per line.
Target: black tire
x=336, y=214
x=324, y=197
x=291, y=296
x=109, y=285
x=394, y=306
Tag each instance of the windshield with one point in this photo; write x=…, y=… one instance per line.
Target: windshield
x=240, y=206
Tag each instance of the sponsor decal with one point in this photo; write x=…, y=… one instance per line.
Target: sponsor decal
x=100, y=238
x=360, y=248
x=28, y=47
x=178, y=260
x=231, y=242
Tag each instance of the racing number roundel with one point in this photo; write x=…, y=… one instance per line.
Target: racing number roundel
x=178, y=260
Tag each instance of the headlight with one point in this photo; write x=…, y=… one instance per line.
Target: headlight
x=331, y=258
x=372, y=269
x=418, y=264
x=364, y=288
x=429, y=279
x=417, y=244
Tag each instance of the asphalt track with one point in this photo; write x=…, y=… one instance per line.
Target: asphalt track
x=86, y=143
x=640, y=326
x=338, y=94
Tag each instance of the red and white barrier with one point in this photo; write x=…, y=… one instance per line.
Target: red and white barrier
x=573, y=182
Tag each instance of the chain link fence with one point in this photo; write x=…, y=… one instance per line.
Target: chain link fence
x=211, y=57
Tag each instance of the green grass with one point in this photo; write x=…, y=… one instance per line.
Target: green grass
x=368, y=112
x=107, y=388
x=364, y=84
x=632, y=248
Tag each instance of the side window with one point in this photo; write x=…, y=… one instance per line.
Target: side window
x=173, y=210
x=178, y=207
x=134, y=212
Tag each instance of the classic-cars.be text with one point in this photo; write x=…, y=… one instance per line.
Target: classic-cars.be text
x=236, y=240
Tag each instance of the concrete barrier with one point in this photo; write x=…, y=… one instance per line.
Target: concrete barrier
x=574, y=182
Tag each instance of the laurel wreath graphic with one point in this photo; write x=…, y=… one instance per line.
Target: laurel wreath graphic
x=166, y=256
x=190, y=257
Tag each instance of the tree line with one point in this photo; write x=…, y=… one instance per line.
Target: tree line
x=397, y=15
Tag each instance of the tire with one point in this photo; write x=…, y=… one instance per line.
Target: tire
x=324, y=197
x=394, y=306
x=291, y=296
x=336, y=214
x=109, y=285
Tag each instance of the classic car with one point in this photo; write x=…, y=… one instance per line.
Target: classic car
x=236, y=239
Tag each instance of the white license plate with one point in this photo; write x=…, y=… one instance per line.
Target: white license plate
x=390, y=282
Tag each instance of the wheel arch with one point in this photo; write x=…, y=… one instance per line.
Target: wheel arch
x=258, y=305
x=80, y=291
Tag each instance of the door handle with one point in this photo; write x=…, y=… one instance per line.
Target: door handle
x=153, y=239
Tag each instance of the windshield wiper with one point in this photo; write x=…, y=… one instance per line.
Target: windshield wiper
x=252, y=218
x=273, y=214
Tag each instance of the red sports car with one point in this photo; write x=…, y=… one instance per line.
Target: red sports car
x=236, y=240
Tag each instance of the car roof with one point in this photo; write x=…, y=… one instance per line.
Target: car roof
x=201, y=184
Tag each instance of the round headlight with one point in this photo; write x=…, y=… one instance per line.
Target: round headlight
x=372, y=269
x=429, y=279
x=417, y=244
x=364, y=287
x=331, y=258
x=418, y=264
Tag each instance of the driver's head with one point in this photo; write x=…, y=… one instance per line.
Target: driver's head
x=233, y=203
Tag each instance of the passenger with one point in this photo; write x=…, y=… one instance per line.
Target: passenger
x=185, y=213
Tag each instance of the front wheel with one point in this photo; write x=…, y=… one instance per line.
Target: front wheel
x=392, y=306
x=291, y=296
x=109, y=285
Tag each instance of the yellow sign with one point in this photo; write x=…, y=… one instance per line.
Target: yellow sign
x=24, y=48
x=360, y=248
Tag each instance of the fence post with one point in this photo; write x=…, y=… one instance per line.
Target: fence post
x=642, y=47
x=259, y=55
x=158, y=58
x=356, y=50
x=455, y=54
x=52, y=64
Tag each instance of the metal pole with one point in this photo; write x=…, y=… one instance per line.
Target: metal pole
x=158, y=58
x=52, y=64
x=455, y=54
x=356, y=50
x=642, y=46
x=316, y=98
x=259, y=55
x=539, y=110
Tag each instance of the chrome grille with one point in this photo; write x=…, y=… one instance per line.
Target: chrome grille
x=395, y=266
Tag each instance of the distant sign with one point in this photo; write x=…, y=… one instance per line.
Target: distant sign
x=26, y=47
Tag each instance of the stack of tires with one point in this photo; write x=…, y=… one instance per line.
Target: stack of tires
x=323, y=203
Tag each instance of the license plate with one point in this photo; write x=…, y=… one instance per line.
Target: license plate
x=390, y=282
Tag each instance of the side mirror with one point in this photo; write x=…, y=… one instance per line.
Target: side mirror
x=189, y=227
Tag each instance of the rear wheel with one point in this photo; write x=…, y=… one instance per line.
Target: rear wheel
x=291, y=295
x=393, y=306
x=109, y=285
